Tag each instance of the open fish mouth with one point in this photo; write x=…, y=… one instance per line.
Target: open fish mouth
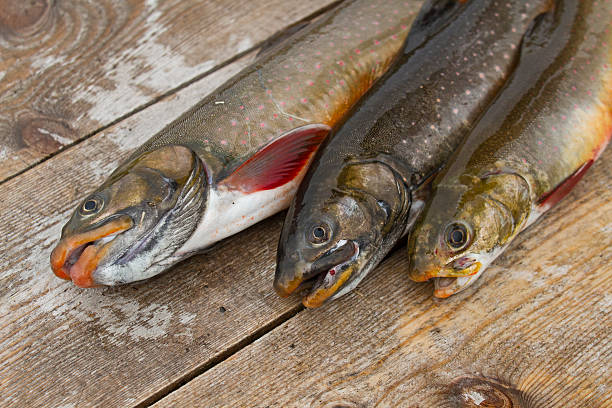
x=330, y=272
x=77, y=257
x=456, y=276
x=445, y=287
x=458, y=268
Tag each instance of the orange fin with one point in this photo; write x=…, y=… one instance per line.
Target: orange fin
x=279, y=162
x=554, y=196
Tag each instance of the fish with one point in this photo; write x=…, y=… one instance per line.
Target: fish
x=237, y=156
x=369, y=180
x=533, y=144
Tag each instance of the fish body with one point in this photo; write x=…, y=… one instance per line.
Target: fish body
x=543, y=131
x=361, y=192
x=240, y=152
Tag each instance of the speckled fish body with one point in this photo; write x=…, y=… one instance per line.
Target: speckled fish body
x=242, y=150
x=546, y=127
x=359, y=195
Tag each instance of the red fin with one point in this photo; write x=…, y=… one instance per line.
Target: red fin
x=279, y=162
x=554, y=196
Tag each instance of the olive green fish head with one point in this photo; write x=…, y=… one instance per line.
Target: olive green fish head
x=331, y=242
x=465, y=227
x=122, y=232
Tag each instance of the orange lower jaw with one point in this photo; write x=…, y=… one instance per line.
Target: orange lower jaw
x=444, y=272
x=81, y=272
x=445, y=292
x=319, y=296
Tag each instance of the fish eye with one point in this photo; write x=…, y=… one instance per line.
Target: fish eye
x=319, y=234
x=457, y=235
x=91, y=205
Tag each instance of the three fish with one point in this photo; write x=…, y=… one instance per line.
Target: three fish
x=239, y=155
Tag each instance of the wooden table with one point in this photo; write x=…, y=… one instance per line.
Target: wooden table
x=82, y=83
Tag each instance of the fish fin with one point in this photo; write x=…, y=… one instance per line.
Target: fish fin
x=279, y=162
x=433, y=17
x=539, y=32
x=425, y=182
x=555, y=195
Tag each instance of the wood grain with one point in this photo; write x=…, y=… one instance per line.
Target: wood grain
x=69, y=68
x=535, y=331
x=64, y=346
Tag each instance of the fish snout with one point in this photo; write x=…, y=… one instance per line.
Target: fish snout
x=77, y=256
x=289, y=275
x=422, y=268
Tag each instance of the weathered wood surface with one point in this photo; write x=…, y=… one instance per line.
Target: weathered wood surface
x=537, y=322
x=68, y=68
x=535, y=331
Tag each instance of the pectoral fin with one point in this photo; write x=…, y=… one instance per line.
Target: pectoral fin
x=554, y=196
x=279, y=162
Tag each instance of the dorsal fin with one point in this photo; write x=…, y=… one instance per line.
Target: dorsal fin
x=433, y=17
x=279, y=162
x=539, y=32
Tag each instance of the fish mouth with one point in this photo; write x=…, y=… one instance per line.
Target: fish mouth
x=458, y=268
x=77, y=257
x=330, y=272
x=445, y=287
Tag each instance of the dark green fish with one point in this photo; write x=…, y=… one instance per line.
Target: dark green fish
x=235, y=158
x=544, y=130
x=360, y=195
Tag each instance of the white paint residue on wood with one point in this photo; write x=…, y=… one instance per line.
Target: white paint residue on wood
x=138, y=74
x=186, y=317
x=473, y=396
x=55, y=136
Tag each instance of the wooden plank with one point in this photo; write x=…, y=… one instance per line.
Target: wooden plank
x=64, y=346
x=69, y=68
x=534, y=331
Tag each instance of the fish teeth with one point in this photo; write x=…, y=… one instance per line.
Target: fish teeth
x=106, y=239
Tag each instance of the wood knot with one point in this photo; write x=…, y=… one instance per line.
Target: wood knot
x=482, y=392
x=45, y=135
x=23, y=18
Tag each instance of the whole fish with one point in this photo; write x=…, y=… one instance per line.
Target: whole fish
x=237, y=156
x=360, y=194
x=544, y=130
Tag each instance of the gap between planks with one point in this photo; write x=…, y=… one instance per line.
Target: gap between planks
x=229, y=352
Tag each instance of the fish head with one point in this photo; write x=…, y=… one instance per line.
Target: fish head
x=464, y=228
x=331, y=240
x=125, y=230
